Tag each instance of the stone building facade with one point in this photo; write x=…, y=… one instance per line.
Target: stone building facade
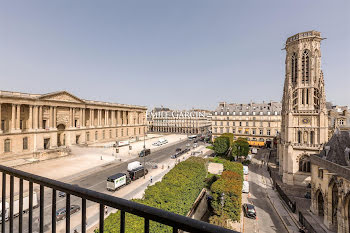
x=258, y=122
x=338, y=118
x=35, y=123
x=304, y=114
x=330, y=183
x=164, y=120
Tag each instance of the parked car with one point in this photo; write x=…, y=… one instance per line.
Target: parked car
x=245, y=187
x=145, y=152
x=156, y=144
x=61, y=194
x=61, y=213
x=178, y=149
x=188, y=145
x=245, y=170
x=249, y=210
x=174, y=156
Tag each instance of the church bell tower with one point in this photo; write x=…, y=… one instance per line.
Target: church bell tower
x=304, y=115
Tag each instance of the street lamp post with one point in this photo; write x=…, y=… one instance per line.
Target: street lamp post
x=144, y=153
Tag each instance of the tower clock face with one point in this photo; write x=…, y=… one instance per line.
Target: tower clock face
x=305, y=120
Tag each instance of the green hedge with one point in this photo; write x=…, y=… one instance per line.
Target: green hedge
x=230, y=184
x=176, y=193
x=234, y=166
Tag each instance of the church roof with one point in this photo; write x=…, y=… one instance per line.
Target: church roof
x=337, y=148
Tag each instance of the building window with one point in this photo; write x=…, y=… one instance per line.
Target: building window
x=269, y=124
x=87, y=136
x=341, y=122
x=253, y=131
x=2, y=127
x=21, y=124
x=44, y=124
x=304, y=164
x=116, y=133
x=247, y=123
x=305, y=67
x=227, y=130
x=221, y=123
x=240, y=123
x=233, y=123
x=268, y=132
x=320, y=173
x=221, y=130
x=110, y=133
x=96, y=135
x=299, y=136
x=234, y=131
x=103, y=134
x=122, y=133
x=215, y=130
x=294, y=68
x=261, y=132
x=7, y=145
x=312, y=137
x=261, y=123
x=134, y=131
x=216, y=123
x=25, y=143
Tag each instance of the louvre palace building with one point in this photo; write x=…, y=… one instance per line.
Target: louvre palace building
x=43, y=122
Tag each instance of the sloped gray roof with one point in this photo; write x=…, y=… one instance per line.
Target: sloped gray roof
x=337, y=145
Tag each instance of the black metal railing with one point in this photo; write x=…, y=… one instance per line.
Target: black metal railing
x=303, y=221
x=177, y=222
x=291, y=204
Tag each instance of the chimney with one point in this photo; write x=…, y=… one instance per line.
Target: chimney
x=327, y=149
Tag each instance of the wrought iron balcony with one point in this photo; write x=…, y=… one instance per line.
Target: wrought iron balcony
x=177, y=222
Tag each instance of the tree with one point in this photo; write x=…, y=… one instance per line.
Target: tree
x=229, y=136
x=240, y=147
x=221, y=145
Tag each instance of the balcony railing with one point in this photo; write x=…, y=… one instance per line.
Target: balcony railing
x=177, y=222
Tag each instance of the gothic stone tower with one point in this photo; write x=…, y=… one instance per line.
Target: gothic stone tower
x=304, y=116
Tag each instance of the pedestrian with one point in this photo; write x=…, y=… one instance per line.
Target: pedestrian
x=151, y=179
x=75, y=231
x=106, y=209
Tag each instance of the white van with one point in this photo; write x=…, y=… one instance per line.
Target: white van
x=245, y=170
x=245, y=188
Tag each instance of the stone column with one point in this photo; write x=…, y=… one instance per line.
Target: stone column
x=113, y=118
x=84, y=120
x=51, y=117
x=35, y=117
x=70, y=117
x=73, y=117
x=55, y=117
x=40, y=117
x=91, y=111
x=118, y=117
x=30, y=119
x=81, y=117
x=13, y=118
x=0, y=120
x=18, y=117
x=99, y=113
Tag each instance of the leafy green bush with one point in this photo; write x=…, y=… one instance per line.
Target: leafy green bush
x=210, y=147
x=227, y=195
x=230, y=136
x=176, y=193
x=234, y=166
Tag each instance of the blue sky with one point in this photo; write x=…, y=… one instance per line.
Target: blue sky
x=180, y=54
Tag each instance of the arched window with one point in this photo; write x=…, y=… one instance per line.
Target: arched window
x=294, y=68
x=305, y=66
x=312, y=137
x=304, y=164
x=299, y=136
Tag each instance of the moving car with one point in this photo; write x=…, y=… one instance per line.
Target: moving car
x=145, y=152
x=249, y=210
x=61, y=213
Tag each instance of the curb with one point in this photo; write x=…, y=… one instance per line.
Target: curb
x=282, y=220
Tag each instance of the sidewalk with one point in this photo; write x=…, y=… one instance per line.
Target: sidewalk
x=129, y=192
x=277, y=203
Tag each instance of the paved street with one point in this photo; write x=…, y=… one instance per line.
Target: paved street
x=267, y=218
x=96, y=180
